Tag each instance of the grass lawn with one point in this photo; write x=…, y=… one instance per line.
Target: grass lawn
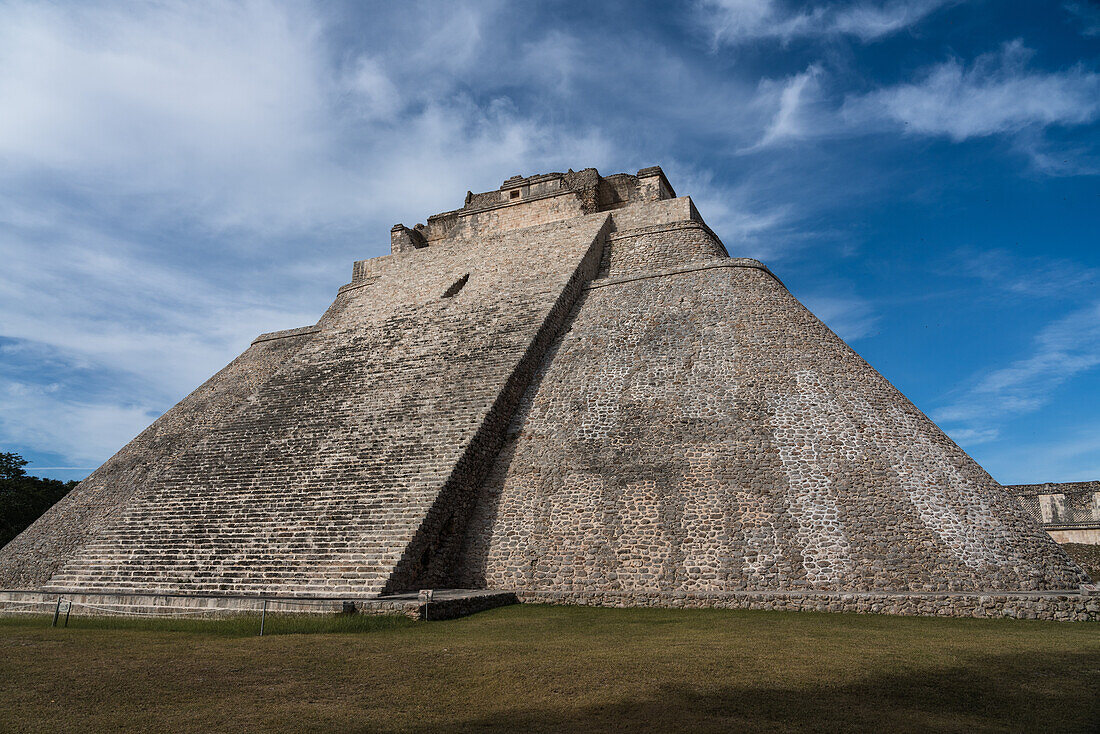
x=541, y=668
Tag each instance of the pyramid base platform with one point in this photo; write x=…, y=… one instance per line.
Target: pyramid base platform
x=445, y=604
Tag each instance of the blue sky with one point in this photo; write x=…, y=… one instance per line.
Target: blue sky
x=176, y=178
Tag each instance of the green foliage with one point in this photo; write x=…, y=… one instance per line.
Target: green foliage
x=11, y=465
x=23, y=499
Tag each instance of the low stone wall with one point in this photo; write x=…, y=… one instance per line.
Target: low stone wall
x=1068, y=606
x=446, y=604
x=1076, y=606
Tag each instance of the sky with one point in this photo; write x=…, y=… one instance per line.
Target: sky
x=176, y=178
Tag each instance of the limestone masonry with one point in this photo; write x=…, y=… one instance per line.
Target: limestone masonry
x=565, y=389
x=1069, y=511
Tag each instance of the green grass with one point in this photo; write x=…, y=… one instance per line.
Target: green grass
x=539, y=668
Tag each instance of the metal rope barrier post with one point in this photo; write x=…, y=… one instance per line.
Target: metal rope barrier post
x=68, y=611
x=56, y=612
x=425, y=599
x=263, y=617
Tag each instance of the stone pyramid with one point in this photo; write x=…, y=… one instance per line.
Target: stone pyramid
x=567, y=388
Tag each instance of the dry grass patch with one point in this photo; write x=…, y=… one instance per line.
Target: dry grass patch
x=539, y=668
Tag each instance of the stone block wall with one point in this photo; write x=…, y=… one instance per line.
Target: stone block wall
x=1069, y=511
x=63, y=531
x=343, y=472
x=654, y=213
x=658, y=247
x=1064, y=607
x=505, y=217
x=525, y=202
x=700, y=431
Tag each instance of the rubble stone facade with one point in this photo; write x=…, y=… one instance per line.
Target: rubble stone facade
x=569, y=390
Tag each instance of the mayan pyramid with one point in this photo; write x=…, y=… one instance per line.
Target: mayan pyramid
x=565, y=386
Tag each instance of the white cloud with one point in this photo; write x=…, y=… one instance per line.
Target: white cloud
x=372, y=94
x=176, y=178
x=995, y=94
x=748, y=226
x=733, y=22
x=1068, y=453
x=161, y=98
x=974, y=436
x=1064, y=349
x=554, y=60
x=239, y=116
x=790, y=100
x=870, y=21
x=85, y=432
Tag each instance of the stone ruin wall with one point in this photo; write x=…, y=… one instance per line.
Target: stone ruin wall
x=526, y=202
x=38, y=553
x=507, y=217
x=698, y=430
x=343, y=471
x=1069, y=511
x=658, y=247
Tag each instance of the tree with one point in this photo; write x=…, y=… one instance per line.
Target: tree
x=23, y=499
x=11, y=465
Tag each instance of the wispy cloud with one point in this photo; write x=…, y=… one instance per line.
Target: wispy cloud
x=1026, y=276
x=84, y=431
x=1088, y=15
x=240, y=116
x=790, y=99
x=748, y=225
x=733, y=22
x=1067, y=453
x=851, y=317
x=974, y=436
x=997, y=93
x=1062, y=350
x=169, y=172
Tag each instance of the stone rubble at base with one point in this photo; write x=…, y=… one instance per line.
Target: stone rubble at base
x=568, y=389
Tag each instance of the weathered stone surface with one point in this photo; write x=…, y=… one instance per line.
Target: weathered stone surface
x=565, y=388
x=446, y=604
x=35, y=555
x=1069, y=511
x=1069, y=607
x=702, y=431
x=340, y=473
